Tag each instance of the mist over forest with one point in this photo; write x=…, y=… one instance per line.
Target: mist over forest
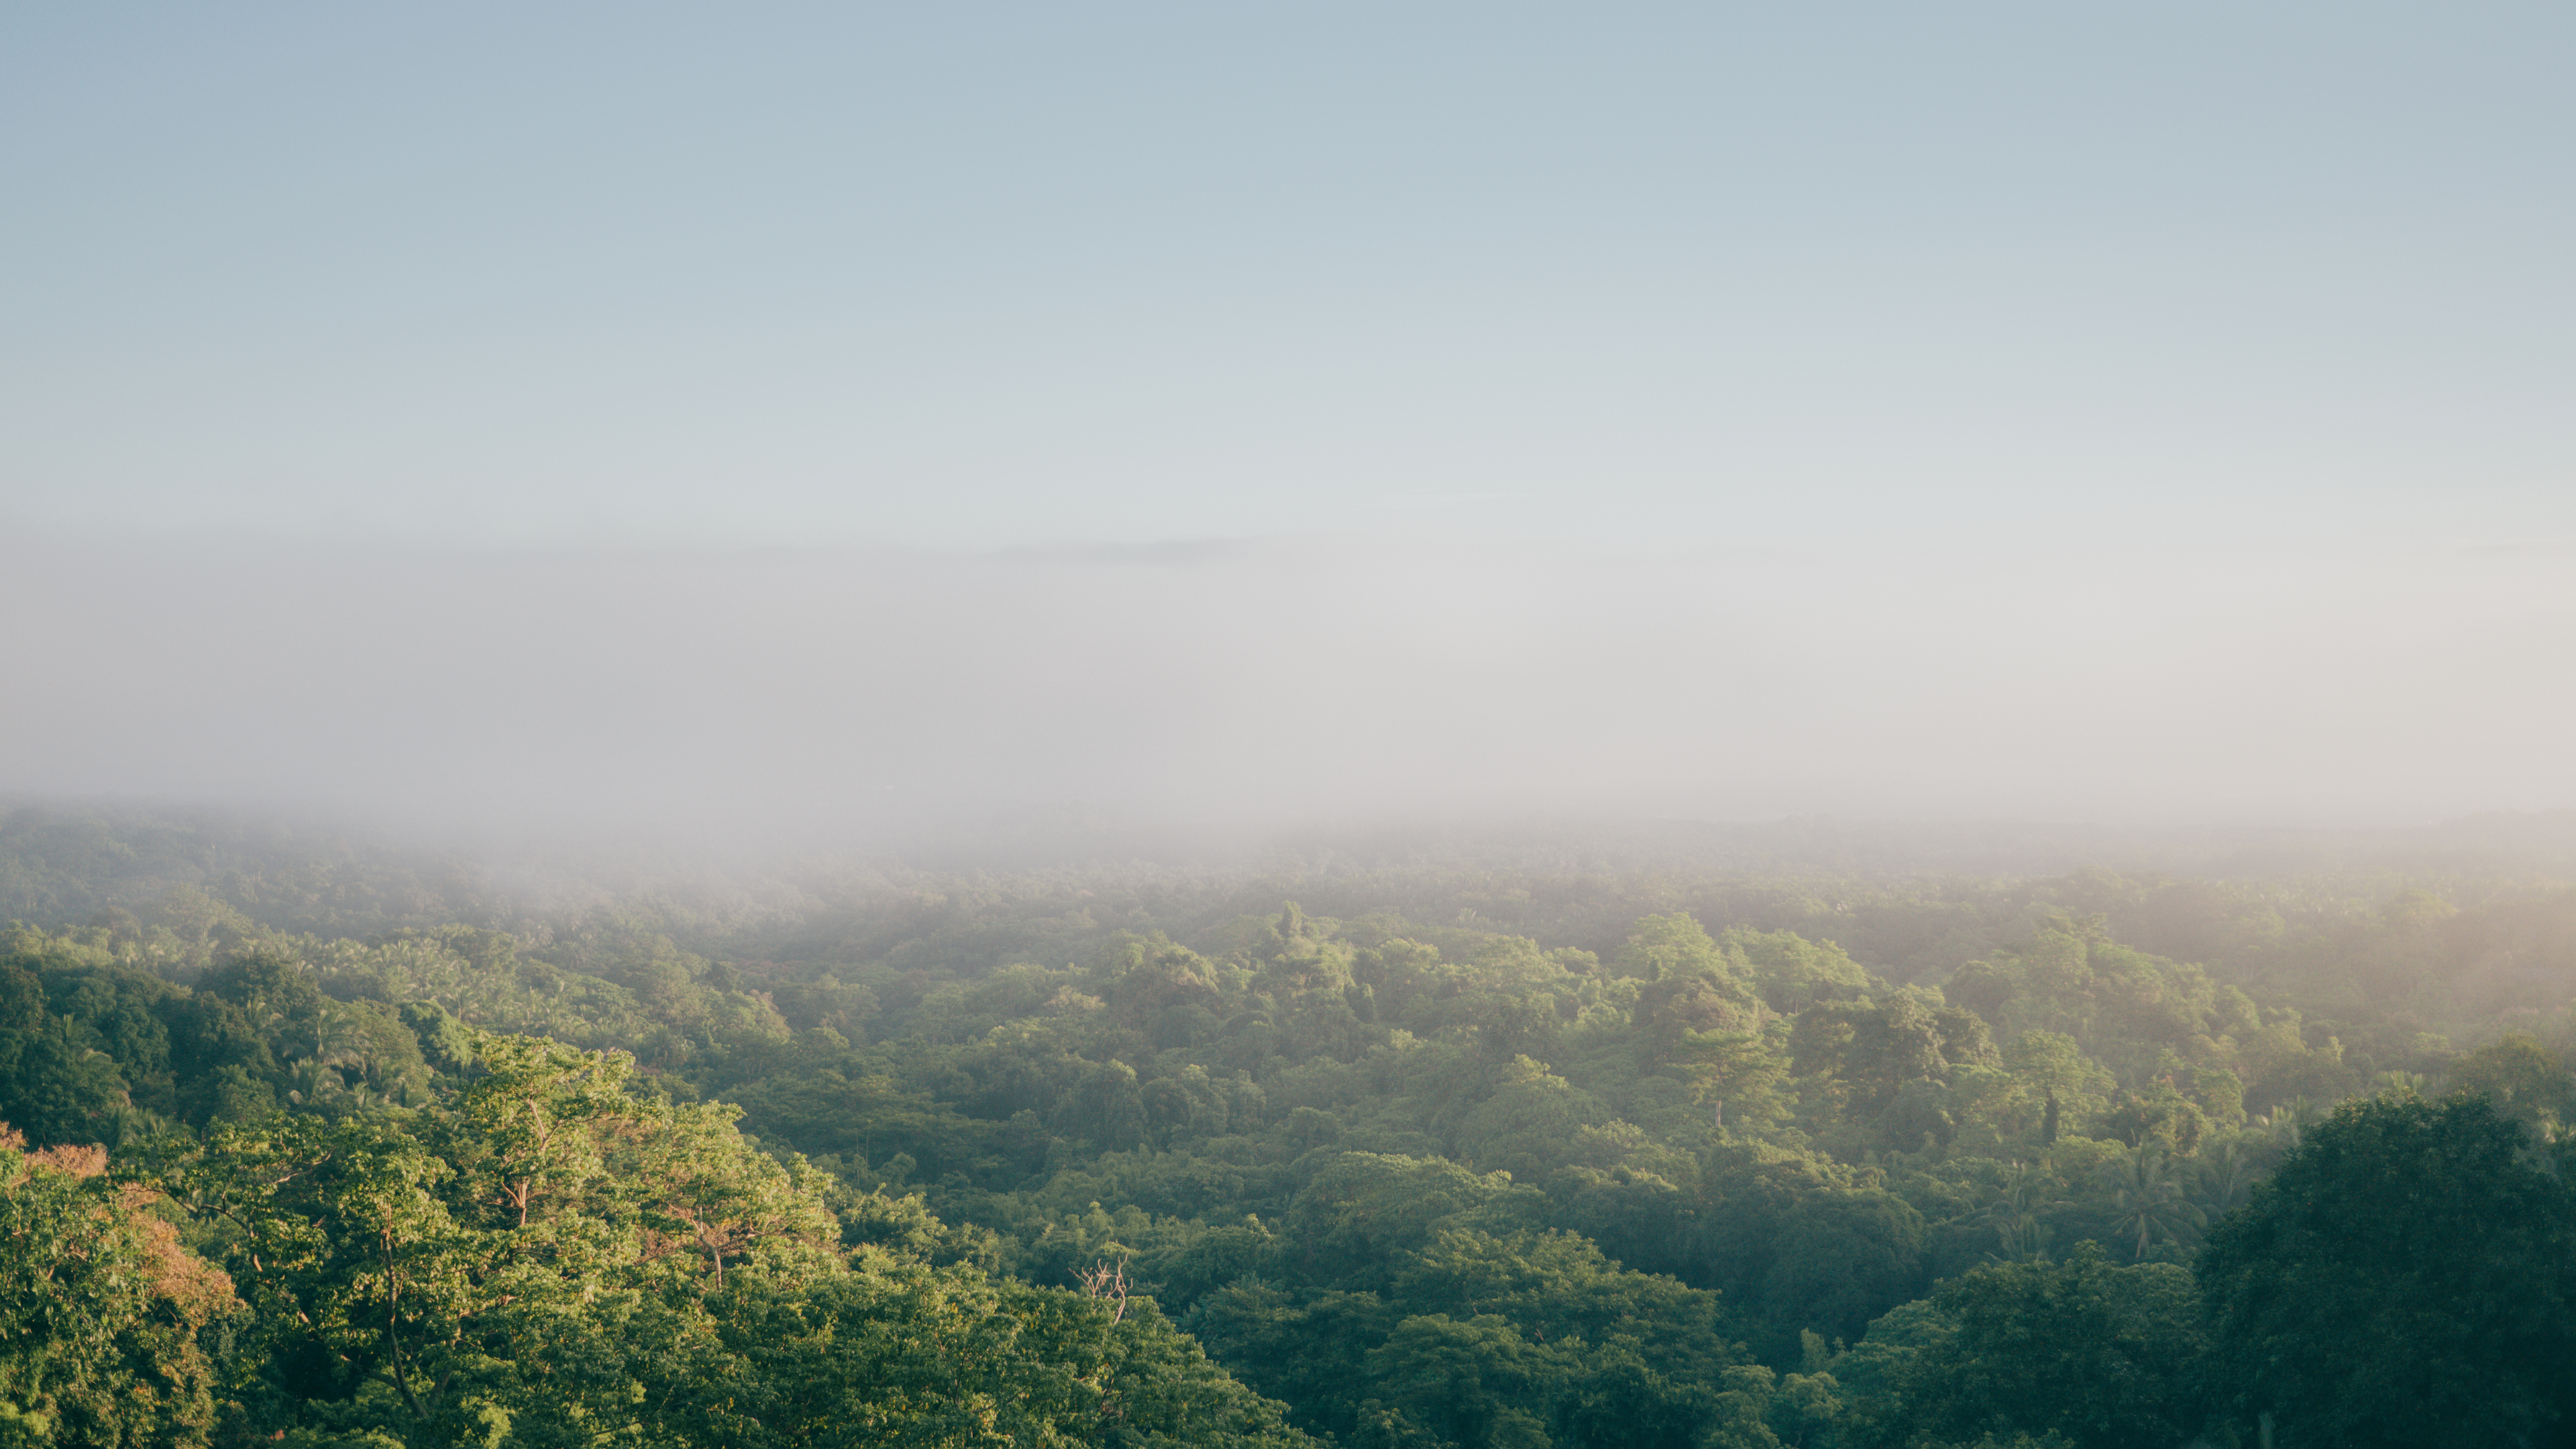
x=1051, y=1128
x=1232, y=688
x=817, y=726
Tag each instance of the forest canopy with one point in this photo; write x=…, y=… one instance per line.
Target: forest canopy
x=328, y=1144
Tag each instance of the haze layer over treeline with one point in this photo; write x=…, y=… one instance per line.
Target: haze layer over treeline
x=1238, y=687
x=829, y=422
x=1393, y=727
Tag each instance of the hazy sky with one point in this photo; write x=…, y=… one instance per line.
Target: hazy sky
x=1734, y=409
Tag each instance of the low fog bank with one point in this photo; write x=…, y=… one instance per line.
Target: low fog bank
x=1222, y=696
x=76, y=862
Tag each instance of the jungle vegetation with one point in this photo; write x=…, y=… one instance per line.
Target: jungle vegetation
x=316, y=1145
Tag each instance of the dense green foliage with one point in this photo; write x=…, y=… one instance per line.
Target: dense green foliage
x=2409, y=1277
x=551, y=1253
x=1482, y=1157
x=100, y=1308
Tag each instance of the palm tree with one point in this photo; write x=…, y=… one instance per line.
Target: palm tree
x=2148, y=1197
x=130, y=1124
x=2405, y=1084
x=2226, y=1177
x=310, y=1082
x=338, y=1040
x=2018, y=1202
x=2289, y=1121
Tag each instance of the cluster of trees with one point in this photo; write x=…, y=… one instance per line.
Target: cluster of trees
x=1064, y=1156
x=550, y=1253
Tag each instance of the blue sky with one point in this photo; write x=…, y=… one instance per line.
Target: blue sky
x=976, y=276
x=2191, y=380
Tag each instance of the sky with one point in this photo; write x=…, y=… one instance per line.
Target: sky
x=777, y=412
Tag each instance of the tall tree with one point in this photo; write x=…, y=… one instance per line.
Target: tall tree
x=2148, y=1199
x=100, y=1310
x=2403, y=1279
x=2106, y=1356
